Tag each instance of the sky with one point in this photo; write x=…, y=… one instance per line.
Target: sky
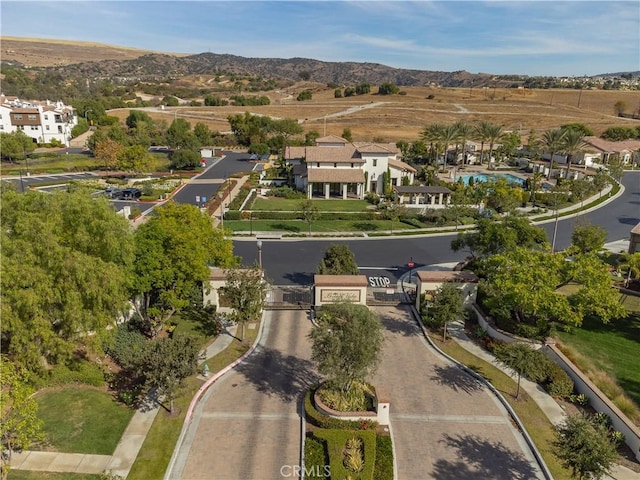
x=541, y=37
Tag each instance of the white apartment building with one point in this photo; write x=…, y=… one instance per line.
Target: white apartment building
x=42, y=121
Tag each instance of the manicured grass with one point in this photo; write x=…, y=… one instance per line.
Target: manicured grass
x=156, y=451
x=278, y=204
x=319, y=226
x=33, y=475
x=612, y=348
x=537, y=424
x=82, y=420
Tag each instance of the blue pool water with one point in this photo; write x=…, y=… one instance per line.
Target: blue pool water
x=486, y=177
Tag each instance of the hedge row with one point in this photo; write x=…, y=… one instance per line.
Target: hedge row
x=384, y=458
x=266, y=215
x=315, y=458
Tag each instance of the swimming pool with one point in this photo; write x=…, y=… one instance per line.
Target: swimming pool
x=487, y=177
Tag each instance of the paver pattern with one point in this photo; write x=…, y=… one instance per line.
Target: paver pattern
x=248, y=424
x=445, y=424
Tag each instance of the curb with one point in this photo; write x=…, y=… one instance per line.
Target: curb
x=201, y=391
x=538, y=456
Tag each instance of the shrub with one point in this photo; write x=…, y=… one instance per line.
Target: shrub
x=557, y=382
x=81, y=372
x=315, y=457
x=602, y=419
x=579, y=399
x=232, y=215
x=617, y=438
x=128, y=347
x=319, y=420
x=286, y=192
x=384, y=458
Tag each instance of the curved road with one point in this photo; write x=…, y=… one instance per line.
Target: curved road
x=445, y=424
x=295, y=261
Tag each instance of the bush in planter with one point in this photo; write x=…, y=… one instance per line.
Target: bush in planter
x=320, y=420
x=384, y=458
x=316, y=460
x=336, y=443
x=557, y=381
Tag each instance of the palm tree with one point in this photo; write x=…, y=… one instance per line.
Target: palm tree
x=480, y=133
x=449, y=136
x=433, y=135
x=464, y=132
x=632, y=262
x=494, y=132
x=534, y=183
x=572, y=144
x=552, y=140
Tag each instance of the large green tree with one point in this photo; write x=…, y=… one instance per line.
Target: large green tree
x=338, y=260
x=494, y=236
x=346, y=343
x=19, y=422
x=66, y=263
x=537, y=289
x=15, y=146
x=588, y=238
x=173, y=252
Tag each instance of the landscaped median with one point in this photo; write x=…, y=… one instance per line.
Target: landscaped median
x=344, y=448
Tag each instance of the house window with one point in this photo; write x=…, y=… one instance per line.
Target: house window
x=59, y=128
x=375, y=162
x=1, y=127
x=47, y=127
x=18, y=116
x=34, y=127
x=46, y=117
x=31, y=116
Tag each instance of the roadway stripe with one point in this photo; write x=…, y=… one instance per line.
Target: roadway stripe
x=251, y=416
x=448, y=418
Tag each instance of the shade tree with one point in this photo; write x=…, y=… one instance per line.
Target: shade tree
x=245, y=290
x=338, y=260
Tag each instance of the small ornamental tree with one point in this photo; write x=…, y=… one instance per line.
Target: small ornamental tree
x=246, y=291
x=522, y=360
x=446, y=307
x=583, y=445
x=588, y=238
x=168, y=362
x=309, y=212
x=346, y=343
x=338, y=260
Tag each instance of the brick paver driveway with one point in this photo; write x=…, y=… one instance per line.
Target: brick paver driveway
x=445, y=424
x=248, y=425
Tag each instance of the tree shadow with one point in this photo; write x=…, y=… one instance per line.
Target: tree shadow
x=285, y=226
x=403, y=326
x=365, y=226
x=628, y=220
x=207, y=320
x=453, y=377
x=285, y=376
x=479, y=458
x=300, y=278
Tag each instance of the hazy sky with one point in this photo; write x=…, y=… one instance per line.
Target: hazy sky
x=534, y=38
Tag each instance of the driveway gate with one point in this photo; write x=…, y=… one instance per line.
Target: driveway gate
x=289, y=298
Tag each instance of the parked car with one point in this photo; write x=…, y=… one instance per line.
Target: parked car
x=131, y=194
x=112, y=192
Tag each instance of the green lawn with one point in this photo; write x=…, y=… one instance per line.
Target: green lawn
x=277, y=204
x=319, y=226
x=82, y=420
x=33, y=475
x=613, y=348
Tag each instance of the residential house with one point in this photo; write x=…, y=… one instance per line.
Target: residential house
x=602, y=151
x=42, y=121
x=338, y=168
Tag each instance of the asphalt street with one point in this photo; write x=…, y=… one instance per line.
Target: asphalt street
x=288, y=262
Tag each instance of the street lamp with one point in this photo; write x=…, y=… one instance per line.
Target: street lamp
x=259, y=244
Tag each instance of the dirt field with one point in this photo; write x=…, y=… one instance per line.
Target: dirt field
x=402, y=117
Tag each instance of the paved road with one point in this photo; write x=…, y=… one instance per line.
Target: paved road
x=446, y=425
x=248, y=424
x=290, y=262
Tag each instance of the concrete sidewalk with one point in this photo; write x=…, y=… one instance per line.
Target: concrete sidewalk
x=130, y=443
x=547, y=404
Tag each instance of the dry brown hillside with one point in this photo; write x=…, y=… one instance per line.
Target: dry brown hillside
x=40, y=52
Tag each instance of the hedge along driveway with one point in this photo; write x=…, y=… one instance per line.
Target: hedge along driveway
x=319, y=226
x=278, y=204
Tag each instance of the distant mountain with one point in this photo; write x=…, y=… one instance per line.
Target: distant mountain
x=157, y=66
